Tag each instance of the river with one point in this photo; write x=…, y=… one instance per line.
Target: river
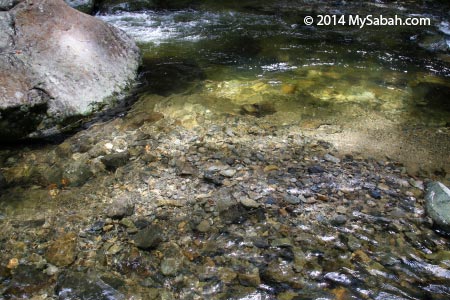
x=258, y=158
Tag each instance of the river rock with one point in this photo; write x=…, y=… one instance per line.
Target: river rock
x=148, y=238
x=62, y=252
x=170, y=266
x=115, y=160
x=121, y=206
x=26, y=281
x=438, y=205
x=77, y=173
x=77, y=285
x=57, y=63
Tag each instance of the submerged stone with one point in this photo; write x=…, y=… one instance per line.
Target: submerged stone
x=62, y=252
x=121, y=207
x=148, y=238
x=438, y=205
x=77, y=285
x=26, y=281
x=115, y=160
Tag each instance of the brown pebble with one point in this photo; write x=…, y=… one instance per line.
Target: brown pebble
x=322, y=197
x=13, y=263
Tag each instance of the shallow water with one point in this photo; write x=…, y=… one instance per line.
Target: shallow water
x=371, y=81
x=276, y=161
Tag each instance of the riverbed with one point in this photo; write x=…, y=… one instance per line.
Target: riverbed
x=258, y=158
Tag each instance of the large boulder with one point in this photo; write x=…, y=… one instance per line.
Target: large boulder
x=438, y=205
x=56, y=63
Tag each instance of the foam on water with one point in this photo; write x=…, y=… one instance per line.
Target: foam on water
x=185, y=25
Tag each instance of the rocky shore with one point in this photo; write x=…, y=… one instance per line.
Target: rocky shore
x=212, y=206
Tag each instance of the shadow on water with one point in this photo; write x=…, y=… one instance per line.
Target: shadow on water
x=170, y=75
x=157, y=76
x=432, y=96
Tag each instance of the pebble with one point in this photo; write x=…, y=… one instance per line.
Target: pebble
x=228, y=172
x=12, y=263
x=250, y=203
x=148, y=238
x=170, y=266
x=338, y=220
x=292, y=199
x=121, y=206
x=316, y=169
x=376, y=194
x=331, y=158
x=251, y=279
x=115, y=160
x=203, y=226
x=51, y=270
x=303, y=231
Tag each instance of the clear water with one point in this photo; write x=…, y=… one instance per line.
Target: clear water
x=376, y=91
x=355, y=79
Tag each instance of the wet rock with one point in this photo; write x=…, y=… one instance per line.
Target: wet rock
x=438, y=204
x=121, y=207
x=26, y=281
x=331, y=158
x=212, y=177
x=97, y=227
x=136, y=120
x=51, y=270
x=279, y=272
x=281, y=242
x=60, y=75
x=339, y=278
x=315, y=169
x=62, y=251
x=261, y=243
x=77, y=285
x=115, y=160
x=170, y=266
x=203, y=226
x=375, y=193
x=235, y=214
x=250, y=279
x=77, y=173
x=249, y=203
x=186, y=169
x=338, y=220
x=299, y=259
x=293, y=199
x=228, y=172
x=148, y=238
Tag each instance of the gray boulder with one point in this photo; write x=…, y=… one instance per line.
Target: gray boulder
x=438, y=205
x=56, y=63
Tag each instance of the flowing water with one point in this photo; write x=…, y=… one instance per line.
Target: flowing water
x=265, y=159
x=381, y=88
